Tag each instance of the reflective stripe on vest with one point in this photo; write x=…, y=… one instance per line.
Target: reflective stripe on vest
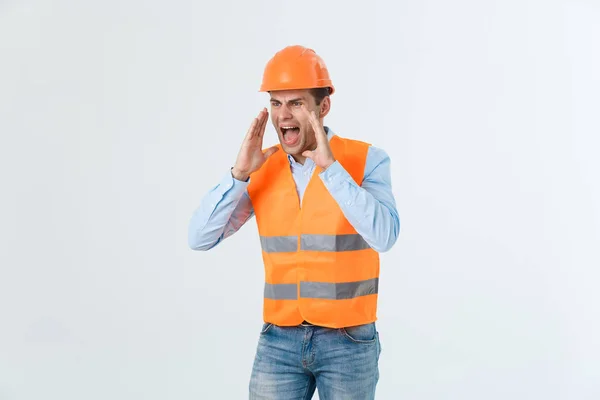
x=322, y=290
x=286, y=244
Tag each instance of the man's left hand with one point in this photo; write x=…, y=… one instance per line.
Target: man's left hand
x=322, y=156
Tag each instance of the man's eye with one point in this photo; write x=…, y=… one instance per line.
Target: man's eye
x=297, y=104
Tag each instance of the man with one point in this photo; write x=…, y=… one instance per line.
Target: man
x=325, y=210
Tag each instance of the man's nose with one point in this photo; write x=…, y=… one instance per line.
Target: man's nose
x=286, y=113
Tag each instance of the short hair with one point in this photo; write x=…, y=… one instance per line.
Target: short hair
x=320, y=93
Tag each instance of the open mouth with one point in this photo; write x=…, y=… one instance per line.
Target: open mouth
x=291, y=134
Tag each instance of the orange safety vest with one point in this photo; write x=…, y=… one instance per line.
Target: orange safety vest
x=317, y=267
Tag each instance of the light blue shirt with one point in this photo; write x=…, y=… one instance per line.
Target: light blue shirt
x=370, y=208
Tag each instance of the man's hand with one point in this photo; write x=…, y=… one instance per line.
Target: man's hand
x=251, y=157
x=322, y=156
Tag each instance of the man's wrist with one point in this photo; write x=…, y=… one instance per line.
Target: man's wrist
x=240, y=176
x=329, y=164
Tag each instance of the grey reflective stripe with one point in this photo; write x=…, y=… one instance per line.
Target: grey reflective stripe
x=279, y=244
x=339, y=291
x=282, y=291
x=289, y=244
x=333, y=242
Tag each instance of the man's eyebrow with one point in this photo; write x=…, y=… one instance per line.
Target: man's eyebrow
x=289, y=101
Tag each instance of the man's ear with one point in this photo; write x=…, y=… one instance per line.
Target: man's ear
x=325, y=107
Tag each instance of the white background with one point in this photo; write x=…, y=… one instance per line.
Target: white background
x=117, y=116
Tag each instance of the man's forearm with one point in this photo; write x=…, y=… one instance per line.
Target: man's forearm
x=370, y=209
x=223, y=210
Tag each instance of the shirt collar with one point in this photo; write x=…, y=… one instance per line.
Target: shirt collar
x=308, y=161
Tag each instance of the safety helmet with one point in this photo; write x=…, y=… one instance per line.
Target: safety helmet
x=295, y=67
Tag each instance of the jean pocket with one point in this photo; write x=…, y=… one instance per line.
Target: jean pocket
x=366, y=333
x=265, y=328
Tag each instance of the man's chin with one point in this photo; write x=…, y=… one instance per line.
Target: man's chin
x=291, y=149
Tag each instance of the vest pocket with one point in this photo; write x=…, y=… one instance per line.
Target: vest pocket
x=366, y=333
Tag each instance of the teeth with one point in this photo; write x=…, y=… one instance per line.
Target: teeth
x=288, y=127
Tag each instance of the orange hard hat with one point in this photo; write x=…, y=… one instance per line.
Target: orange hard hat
x=295, y=67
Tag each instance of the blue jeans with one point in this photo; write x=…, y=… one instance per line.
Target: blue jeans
x=291, y=362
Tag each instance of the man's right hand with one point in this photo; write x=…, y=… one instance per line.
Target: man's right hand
x=251, y=157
